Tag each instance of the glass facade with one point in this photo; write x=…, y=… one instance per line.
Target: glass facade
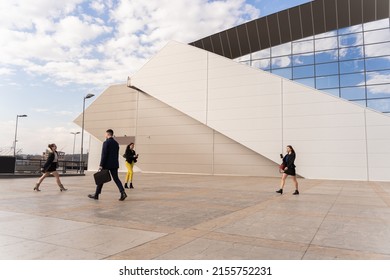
x=352, y=63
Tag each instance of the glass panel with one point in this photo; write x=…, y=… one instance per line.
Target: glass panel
x=351, y=40
x=326, y=56
x=246, y=62
x=302, y=47
x=377, y=50
x=280, y=50
x=351, y=66
x=378, y=91
x=263, y=64
x=327, y=69
x=327, y=82
x=377, y=24
x=348, y=80
x=379, y=77
x=305, y=39
x=327, y=34
x=381, y=105
x=245, y=58
x=303, y=59
x=352, y=93
x=333, y=91
x=378, y=63
x=377, y=36
x=262, y=54
x=326, y=44
x=279, y=62
x=351, y=29
x=283, y=72
x=360, y=102
x=308, y=82
x=351, y=53
x=303, y=72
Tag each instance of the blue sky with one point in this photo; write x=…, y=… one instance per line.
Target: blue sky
x=52, y=54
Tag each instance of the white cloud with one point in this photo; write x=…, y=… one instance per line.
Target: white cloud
x=68, y=44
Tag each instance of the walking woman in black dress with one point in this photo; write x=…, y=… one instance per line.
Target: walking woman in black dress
x=289, y=169
x=50, y=167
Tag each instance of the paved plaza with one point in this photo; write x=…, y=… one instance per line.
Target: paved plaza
x=195, y=217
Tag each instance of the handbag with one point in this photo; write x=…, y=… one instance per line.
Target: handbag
x=282, y=167
x=102, y=176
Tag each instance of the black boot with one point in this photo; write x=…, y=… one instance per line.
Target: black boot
x=131, y=186
x=280, y=191
x=126, y=187
x=123, y=196
x=94, y=196
x=296, y=192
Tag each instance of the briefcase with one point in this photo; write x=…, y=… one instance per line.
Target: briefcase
x=102, y=176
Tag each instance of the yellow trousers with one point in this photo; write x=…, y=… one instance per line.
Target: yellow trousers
x=129, y=175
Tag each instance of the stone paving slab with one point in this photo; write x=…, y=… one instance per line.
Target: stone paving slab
x=170, y=216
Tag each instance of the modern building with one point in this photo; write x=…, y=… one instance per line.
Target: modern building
x=316, y=76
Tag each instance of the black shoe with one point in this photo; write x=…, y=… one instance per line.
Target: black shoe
x=123, y=196
x=94, y=196
x=296, y=192
x=126, y=187
x=280, y=191
x=131, y=186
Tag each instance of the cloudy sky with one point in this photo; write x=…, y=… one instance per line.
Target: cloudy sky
x=52, y=53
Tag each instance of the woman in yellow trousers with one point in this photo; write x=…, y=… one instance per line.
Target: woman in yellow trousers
x=131, y=159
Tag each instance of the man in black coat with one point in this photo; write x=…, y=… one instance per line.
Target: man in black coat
x=109, y=160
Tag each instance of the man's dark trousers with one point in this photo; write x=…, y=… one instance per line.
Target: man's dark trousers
x=114, y=175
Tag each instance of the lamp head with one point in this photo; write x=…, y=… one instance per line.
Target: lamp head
x=22, y=116
x=89, y=95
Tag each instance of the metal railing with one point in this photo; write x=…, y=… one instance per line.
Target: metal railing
x=33, y=166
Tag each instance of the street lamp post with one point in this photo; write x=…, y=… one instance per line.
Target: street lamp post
x=16, y=133
x=74, y=142
x=89, y=95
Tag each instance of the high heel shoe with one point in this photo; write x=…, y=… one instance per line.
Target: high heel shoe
x=280, y=191
x=62, y=188
x=36, y=188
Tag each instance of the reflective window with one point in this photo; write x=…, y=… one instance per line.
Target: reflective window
x=351, y=40
x=303, y=72
x=280, y=50
x=327, y=69
x=333, y=91
x=377, y=36
x=308, y=82
x=326, y=44
x=351, y=29
x=263, y=64
x=303, y=59
x=244, y=58
x=280, y=62
x=378, y=77
x=377, y=49
x=384, y=23
x=378, y=63
x=283, y=72
x=351, y=66
x=378, y=91
x=352, y=93
x=262, y=54
x=327, y=82
x=351, y=53
x=381, y=105
x=327, y=34
x=360, y=102
x=302, y=47
x=348, y=80
x=326, y=56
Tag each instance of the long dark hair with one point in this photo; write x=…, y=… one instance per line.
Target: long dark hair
x=291, y=148
x=128, y=147
x=50, y=146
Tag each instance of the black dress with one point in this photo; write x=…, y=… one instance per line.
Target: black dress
x=288, y=161
x=50, y=165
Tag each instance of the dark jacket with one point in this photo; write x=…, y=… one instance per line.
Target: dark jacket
x=131, y=156
x=288, y=160
x=50, y=165
x=110, y=153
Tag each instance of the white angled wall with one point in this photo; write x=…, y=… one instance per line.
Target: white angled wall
x=333, y=138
